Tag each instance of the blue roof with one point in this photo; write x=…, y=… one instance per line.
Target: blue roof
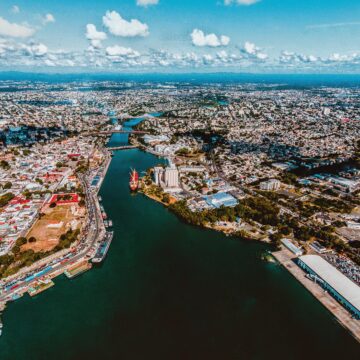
x=220, y=199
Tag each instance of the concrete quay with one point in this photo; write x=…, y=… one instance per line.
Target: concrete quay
x=286, y=258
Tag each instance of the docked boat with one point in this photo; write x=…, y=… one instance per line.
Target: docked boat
x=77, y=269
x=134, y=180
x=103, y=247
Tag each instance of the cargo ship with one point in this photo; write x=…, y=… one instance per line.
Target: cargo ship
x=103, y=247
x=134, y=180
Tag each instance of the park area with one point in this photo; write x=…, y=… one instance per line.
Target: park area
x=51, y=225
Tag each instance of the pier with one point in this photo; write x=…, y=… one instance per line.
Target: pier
x=286, y=258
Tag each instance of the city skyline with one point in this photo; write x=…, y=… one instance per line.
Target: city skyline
x=171, y=36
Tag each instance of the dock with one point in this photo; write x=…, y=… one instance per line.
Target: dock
x=286, y=258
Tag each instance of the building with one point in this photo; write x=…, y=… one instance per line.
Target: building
x=158, y=171
x=220, y=199
x=333, y=281
x=345, y=184
x=270, y=185
x=167, y=178
x=293, y=248
x=171, y=177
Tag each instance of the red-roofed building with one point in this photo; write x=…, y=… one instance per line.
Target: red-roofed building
x=59, y=199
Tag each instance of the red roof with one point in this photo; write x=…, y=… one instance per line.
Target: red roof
x=74, y=199
x=17, y=200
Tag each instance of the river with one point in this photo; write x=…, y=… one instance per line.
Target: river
x=167, y=290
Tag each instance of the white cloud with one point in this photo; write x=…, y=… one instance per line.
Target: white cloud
x=95, y=37
x=241, y=2
x=117, y=50
x=251, y=50
x=333, y=25
x=48, y=18
x=15, y=9
x=146, y=2
x=121, y=27
x=15, y=30
x=35, y=49
x=288, y=57
x=200, y=39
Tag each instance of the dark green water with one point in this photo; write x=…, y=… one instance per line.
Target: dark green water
x=171, y=291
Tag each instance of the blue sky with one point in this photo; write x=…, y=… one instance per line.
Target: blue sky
x=181, y=35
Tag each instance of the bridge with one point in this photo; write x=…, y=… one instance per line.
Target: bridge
x=125, y=147
x=110, y=132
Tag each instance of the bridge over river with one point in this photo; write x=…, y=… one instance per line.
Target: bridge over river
x=126, y=147
x=110, y=132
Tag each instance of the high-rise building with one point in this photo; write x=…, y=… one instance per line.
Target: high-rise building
x=167, y=178
x=158, y=172
x=171, y=177
x=270, y=185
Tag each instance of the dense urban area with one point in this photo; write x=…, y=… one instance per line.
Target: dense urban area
x=257, y=162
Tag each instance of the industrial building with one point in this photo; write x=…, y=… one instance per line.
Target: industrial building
x=270, y=185
x=333, y=281
x=167, y=178
x=220, y=199
x=290, y=246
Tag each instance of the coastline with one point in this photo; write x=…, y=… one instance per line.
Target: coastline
x=343, y=317
x=54, y=271
x=286, y=259
x=225, y=230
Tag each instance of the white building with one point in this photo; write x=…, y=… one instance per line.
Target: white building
x=270, y=185
x=171, y=177
x=167, y=178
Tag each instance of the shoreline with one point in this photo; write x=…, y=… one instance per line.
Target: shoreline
x=286, y=259
x=217, y=228
x=53, y=270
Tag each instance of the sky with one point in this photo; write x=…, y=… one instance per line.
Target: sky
x=272, y=36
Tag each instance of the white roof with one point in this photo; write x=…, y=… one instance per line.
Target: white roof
x=337, y=280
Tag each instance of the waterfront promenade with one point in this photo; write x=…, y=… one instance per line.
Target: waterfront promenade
x=286, y=258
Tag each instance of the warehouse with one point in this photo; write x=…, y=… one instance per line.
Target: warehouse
x=333, y=281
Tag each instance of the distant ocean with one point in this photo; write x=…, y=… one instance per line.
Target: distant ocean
x=284, y=80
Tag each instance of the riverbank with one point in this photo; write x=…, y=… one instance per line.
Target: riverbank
x=80, y=251
x=286, y=259
x=169, y=289
x=155, y=193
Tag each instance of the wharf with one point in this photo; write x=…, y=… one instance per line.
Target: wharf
x=103, y=173
x=286, y=258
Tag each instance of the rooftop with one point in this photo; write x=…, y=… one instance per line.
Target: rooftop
x=337, y=280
